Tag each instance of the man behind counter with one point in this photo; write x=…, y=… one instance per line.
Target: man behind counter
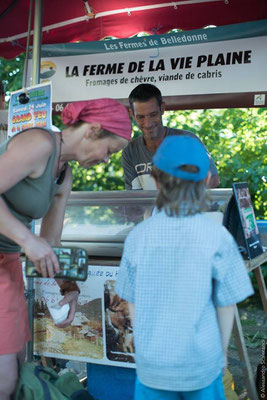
x=147, y=108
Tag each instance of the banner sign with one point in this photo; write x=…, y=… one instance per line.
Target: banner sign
x=192, y=37
x=101, y=332
x=30, y=107
x=180, y=64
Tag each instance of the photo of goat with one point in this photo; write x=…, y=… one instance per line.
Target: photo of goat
x=118, y=329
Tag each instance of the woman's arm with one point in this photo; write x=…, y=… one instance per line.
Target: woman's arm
x=52, y=222
x=51, y=230
x=26, y=156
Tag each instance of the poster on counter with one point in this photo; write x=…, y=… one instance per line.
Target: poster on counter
x=30, y=107
x=101, y=332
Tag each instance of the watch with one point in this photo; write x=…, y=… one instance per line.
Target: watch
x=69, y=286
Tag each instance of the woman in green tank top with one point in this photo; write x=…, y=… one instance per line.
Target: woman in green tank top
x=35, y=182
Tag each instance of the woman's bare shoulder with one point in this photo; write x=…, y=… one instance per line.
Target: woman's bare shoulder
x=38, y=138
x=27, y=155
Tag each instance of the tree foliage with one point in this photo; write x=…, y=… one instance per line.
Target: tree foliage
x=11, y=73
x=236, y=139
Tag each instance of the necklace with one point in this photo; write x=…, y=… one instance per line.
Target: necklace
x=60, y=172
x=59, y=155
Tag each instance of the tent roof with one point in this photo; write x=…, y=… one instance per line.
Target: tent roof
x=67, y=21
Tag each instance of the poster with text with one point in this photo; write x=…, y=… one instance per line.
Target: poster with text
x=30, y=107
x=101, y=331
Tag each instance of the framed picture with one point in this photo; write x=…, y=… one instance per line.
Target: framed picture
x=247, y=221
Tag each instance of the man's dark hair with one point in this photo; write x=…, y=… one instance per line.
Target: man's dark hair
x=145, y=92
x=2, y=88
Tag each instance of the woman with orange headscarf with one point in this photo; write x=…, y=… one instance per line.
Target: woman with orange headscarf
x=36, y=181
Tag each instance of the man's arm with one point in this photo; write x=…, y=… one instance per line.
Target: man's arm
x=130, y=174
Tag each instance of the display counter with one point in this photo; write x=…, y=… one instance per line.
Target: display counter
x=100, y=221
x=101, y=332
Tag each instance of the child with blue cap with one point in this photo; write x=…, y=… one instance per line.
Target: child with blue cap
x=182, y=274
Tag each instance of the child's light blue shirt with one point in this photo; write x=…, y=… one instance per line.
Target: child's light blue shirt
x=176, y=271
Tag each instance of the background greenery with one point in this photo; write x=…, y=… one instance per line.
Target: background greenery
x=236, y=139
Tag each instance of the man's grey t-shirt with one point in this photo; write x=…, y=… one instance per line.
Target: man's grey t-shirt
x=137, y=162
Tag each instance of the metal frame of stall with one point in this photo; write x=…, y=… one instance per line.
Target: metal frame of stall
x=37, y=35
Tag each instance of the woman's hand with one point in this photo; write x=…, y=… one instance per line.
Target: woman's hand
x=72, y=299
x=41, y=254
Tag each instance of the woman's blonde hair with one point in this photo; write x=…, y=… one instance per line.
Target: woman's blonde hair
x=175, y=192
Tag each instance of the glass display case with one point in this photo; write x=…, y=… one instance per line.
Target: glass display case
x=101, y=333
x=100, y=221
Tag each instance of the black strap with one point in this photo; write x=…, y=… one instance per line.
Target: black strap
x=81, y=395
x=46, y=391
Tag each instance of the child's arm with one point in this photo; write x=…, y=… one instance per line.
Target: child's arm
x=225, y=319
x=131, y=312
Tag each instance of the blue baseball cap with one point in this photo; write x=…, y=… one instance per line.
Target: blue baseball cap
x=176, y=151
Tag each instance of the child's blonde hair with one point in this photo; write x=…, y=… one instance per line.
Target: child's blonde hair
x=175, y=192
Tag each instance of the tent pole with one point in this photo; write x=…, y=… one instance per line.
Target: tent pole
x=37, y=35
x=37, y=38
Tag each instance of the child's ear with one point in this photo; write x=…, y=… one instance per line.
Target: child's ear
x=207, y=179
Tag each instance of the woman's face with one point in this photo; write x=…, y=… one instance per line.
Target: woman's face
x=98, y=150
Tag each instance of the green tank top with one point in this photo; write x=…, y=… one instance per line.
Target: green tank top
x=30, y=198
